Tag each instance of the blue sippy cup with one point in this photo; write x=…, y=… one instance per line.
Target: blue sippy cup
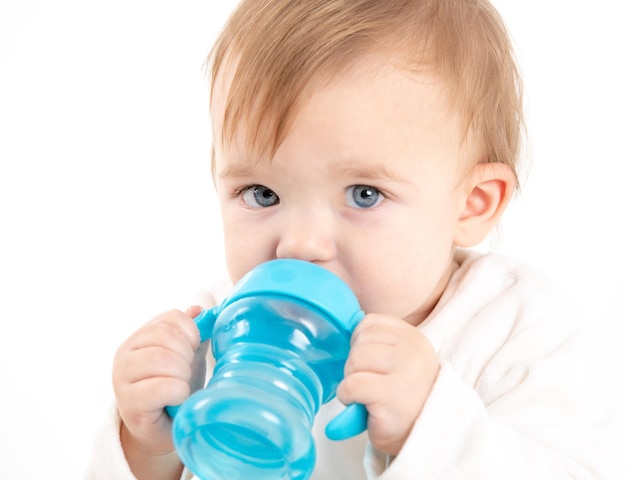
x=280, y=342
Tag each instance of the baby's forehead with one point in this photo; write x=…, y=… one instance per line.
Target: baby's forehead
x=262, y=125
x=360, y=124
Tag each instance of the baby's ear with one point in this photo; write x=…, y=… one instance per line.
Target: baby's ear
x=489, y=188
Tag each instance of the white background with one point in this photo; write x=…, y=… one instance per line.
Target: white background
x=108, y=215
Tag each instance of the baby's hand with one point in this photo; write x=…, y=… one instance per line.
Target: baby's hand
x=159, y=365
x=391, y=369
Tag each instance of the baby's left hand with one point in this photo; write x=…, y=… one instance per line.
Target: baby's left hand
x=391, y=369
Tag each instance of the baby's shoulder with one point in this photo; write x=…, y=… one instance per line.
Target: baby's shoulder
x=493, y=281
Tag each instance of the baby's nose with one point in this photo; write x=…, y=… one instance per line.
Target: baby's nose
x=307, y=236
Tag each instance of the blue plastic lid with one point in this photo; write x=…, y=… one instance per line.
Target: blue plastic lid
x=304, y=281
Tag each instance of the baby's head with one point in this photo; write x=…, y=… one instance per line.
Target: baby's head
x=373, y=137
x=280, y=50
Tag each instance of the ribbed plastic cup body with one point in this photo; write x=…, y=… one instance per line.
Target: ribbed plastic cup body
x=277, y=362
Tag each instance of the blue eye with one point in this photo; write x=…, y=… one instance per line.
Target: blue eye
x=364, y=196
x=259, y=196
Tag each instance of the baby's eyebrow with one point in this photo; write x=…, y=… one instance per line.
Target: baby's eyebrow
x=371, y=172
x=363, y=173
x=236, y=171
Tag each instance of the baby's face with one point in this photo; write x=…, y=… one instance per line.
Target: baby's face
x=369, y=183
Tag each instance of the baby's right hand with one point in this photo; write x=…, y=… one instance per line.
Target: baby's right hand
x=159, y=365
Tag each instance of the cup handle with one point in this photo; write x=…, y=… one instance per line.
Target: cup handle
x=205, y=321
x=350, y=422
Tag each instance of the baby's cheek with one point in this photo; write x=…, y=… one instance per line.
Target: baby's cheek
x=393, y=299
x=236, y=264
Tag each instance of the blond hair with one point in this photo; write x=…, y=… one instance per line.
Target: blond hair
x=281, y=48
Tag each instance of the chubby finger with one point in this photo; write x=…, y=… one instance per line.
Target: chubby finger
x=156, y=361
x=371, y=357
x=171, y=329
x=179, y=321
x=362, y=387
x=153, y=394
x=377, y=328
x=154, y=353
x=193, y=311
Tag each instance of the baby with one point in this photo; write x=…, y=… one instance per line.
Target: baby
x=379, y=139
